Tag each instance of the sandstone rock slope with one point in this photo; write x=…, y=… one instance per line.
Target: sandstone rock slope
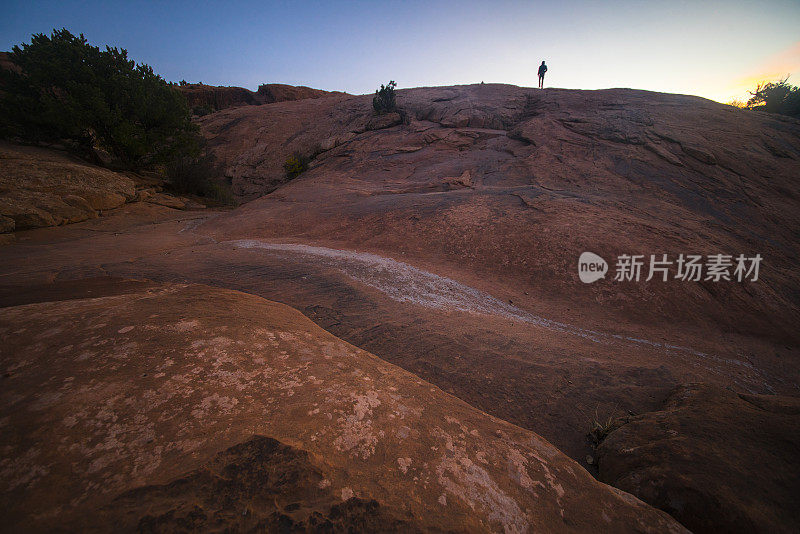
x=184, y=406
x=41, y=187
x=515, y=183
x=502, y=188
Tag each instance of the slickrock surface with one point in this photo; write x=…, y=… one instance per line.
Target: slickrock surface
x=144, y=404
x=513, y=184
x=41, y=187
x=503, y=188
x=444, y=239
x=714, y=459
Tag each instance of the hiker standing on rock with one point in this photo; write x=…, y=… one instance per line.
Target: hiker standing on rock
x=542, y=70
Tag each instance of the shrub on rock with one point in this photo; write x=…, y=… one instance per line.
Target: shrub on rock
x=295, y=165
x=384, y=99
x=776, y=97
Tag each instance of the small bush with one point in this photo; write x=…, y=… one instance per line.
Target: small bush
x=601, y=427
x=198, y=176
x=776, y=97
x=295, y=165
x=384, y=100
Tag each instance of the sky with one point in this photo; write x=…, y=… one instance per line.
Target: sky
x=714, y=49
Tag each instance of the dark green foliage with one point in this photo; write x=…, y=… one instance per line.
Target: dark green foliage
x=200, y=176
x=202, y=111
x=384, y=100
x=295, y=165
x=776, y=97
x=71, y=91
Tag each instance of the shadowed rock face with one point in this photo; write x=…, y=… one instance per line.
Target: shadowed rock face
x=121, y=403
x=260, y=485
x=715, y=460
x=42, y=187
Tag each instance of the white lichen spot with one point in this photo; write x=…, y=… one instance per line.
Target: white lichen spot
x=404, y=464
x=365, y=404
x=469, y=482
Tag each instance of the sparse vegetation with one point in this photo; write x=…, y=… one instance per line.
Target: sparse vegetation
x=199, y=176
x=601, y=427
x=384, y=99
x=295, y=165
x=776, y=97
x=73, y=93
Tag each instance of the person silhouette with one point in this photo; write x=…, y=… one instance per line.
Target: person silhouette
x=542, y=70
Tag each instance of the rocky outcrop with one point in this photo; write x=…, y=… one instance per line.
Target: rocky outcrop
x=714, y=459
x=506, y=187
x=139, y=409
x=269, y=93
x=210, y=98
x=41, y=187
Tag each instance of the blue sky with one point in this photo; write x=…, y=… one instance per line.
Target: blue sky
x=713, y=49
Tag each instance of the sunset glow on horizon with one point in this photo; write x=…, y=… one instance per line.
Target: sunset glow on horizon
x=783, y=65
x=718, y=50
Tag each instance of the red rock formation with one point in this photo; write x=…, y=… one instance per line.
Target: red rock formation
x=214, y=98
x=42, y=187
x=277, y=92
x=552, y=174
x=46, y=187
